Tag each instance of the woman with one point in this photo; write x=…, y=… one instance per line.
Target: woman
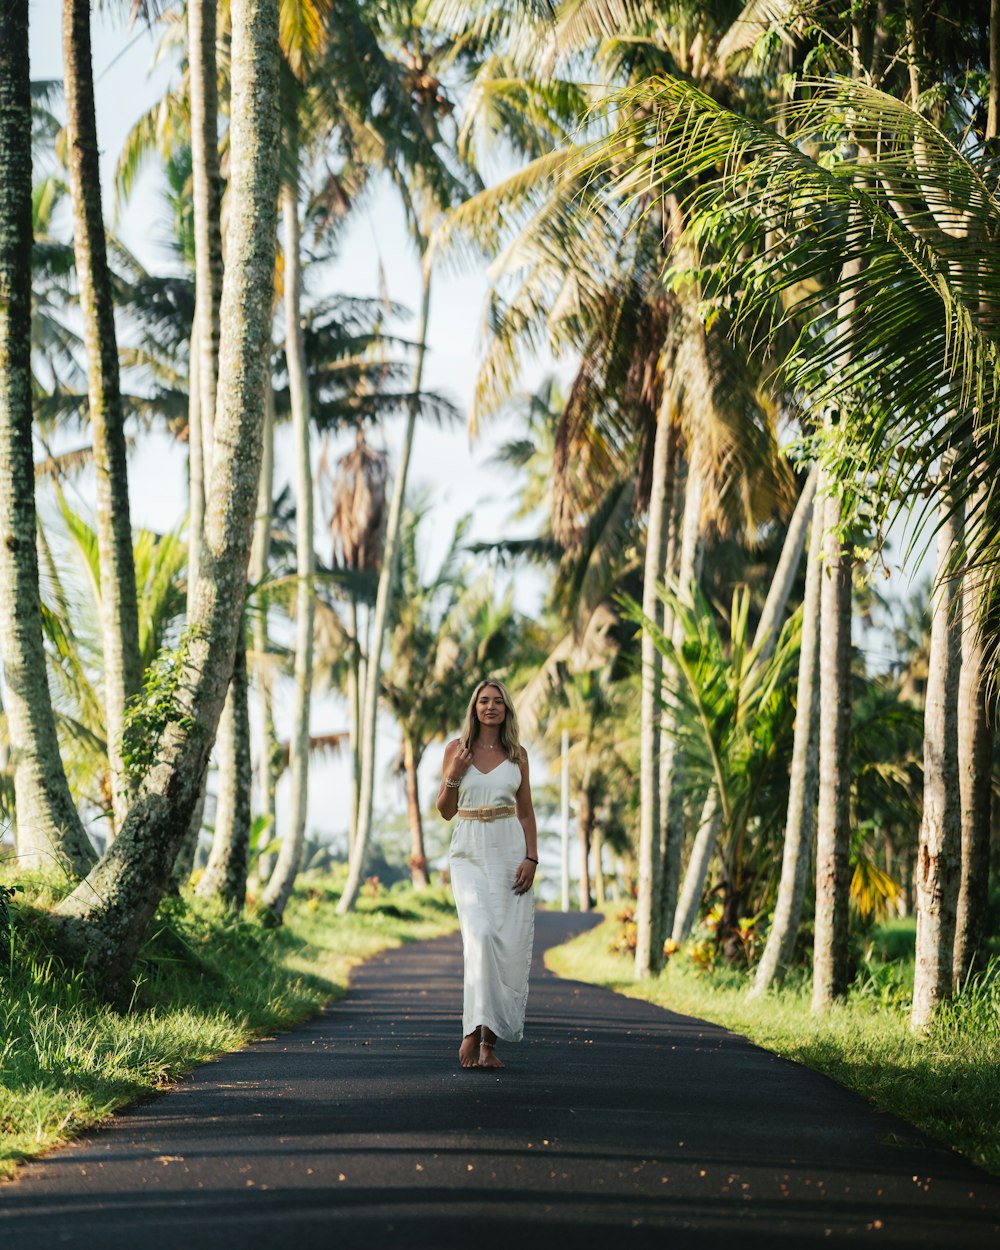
x=494, y=853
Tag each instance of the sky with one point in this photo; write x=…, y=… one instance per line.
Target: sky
x=452, y=469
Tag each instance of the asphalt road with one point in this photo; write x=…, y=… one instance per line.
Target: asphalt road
x=614, y=1123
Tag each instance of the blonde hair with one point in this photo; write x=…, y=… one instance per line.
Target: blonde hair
x=510, y=738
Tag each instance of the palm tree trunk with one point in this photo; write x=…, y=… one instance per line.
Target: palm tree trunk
x=279, y=887
x=105, y=919
x=833, y=832
x=49, y=832
x=225, y=876
x=765, y=638
x=383, y=597
x=600, y=889
x=671, y=759
x=975, y=753
x=418, y=858
x=940, y=848
x=975, y=731
x=585, y=833
x=773, y=613
x=119, y=605
x=800, y=822
x=697, y=869
x=354, y=685
x=259, y=559
x=649, y=936
x=196, y=473
x=206, y=200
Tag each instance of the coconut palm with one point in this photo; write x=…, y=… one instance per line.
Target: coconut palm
x=734, y=721
x=49, y=830
x=105, y=919
x=107, y=418
x=419, y=157
x=904, y=399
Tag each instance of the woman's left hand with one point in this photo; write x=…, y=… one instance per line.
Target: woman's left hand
x=524, y=877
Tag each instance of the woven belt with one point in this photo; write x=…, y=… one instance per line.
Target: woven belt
x=486, y=814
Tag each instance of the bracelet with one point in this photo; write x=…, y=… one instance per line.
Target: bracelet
x=531, y=859
x=451, y=783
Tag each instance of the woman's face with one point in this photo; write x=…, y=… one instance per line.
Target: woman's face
x=490, y=707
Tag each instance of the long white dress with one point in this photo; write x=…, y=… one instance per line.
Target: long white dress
x=498, y=926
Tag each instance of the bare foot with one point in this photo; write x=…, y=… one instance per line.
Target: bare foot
x=468, y=1052
x=488, y=1056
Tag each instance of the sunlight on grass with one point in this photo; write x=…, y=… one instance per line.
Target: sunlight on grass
x=207, y=984
x=947, y=1084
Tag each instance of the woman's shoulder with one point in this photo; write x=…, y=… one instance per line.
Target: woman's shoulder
x=452, y=746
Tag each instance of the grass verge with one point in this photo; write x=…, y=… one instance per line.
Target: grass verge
x=207, y=984
x=947, y=1084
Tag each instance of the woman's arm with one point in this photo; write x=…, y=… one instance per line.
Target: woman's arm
x=526, y=815
x=456, y=763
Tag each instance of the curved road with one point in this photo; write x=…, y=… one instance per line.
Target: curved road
x=615, y=1122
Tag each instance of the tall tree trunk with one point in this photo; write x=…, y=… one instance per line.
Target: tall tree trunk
x=775, y=605
x=764, y=642
x=939, y=852
x=106, y=917
x=279, y=887
x=184, y=863
x=833, y=833
x=975, y=754
x=585, y=833
x=649, y=936
x=418, y=857
x=354, y=687
x=206, y=200
x=119, y=603
x=800, y=822
x=196, y=472
x=696, y=874
x=975, y=728
x=260, y=557
x=225, y=876
x=671, y=759
x=49, y=832
x=383, y=600
x=600, y=889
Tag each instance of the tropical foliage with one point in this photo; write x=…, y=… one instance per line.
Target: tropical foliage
x=753, y=252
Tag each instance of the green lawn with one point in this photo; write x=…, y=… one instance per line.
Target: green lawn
x=947, y=1084
x=207, y=984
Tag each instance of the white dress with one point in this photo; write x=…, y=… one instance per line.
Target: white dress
x=498, y=926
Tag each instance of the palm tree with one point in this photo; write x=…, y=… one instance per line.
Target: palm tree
x=357, y=527
x=733, y=721
x=803, y=788
x=765, y=640
x=428, y=182
x=940, y=850
x=897, y=390
x=120, y=611
x=49, y=831
x=105, y=919
x=279, y=887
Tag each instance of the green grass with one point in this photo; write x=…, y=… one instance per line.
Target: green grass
x=947, y=1084
x=207, y=984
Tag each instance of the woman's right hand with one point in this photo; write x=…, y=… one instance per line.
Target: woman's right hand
x=459, y=764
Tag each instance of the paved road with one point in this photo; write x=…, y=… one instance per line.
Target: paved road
x=614, y=1123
